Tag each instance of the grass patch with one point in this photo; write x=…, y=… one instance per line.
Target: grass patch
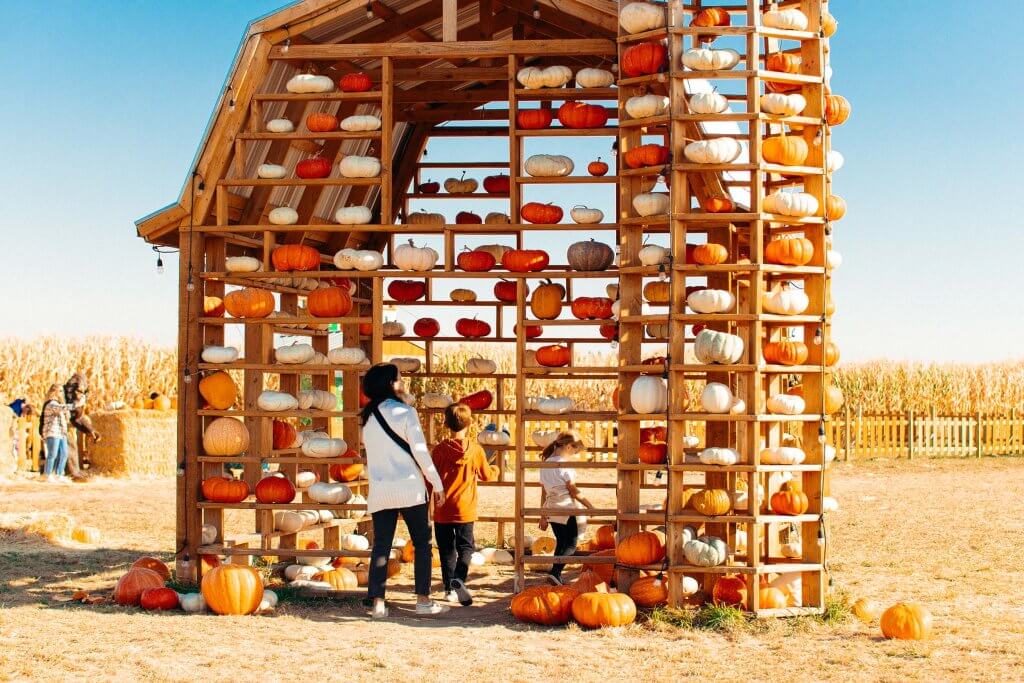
x=719, y=618
x=298, y=597
x=837, y=609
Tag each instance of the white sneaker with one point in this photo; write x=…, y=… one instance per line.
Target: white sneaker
x=430, y=608
x=51, y=478
x=379, y=612
x=451, y=596
x=463, y=594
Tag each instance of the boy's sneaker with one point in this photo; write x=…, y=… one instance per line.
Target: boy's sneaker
x=450, y=596
x=462, y=593
x=430, y=608
x=553, y=580
x=379, y=611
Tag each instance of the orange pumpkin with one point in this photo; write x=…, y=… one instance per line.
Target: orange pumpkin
x=643, y=58
x=729, y=590
x=546, y=302
x=537, y=213
x=340, y=578
x=833, y=397
x=605, y=536
x=284, y=434
x=831, y=353
x=789, y=499
x=710, y=254
x=224, y=490
x=605, y=571
x=582, y=115
x=592, y=308
x=156, y=565
x=346, y=471
x=213, y=307
x=789, y=251
x=712, y=16
x=906, y=621
x=158, y=599
x=219, y=390
x=718, y=205
x=835, y=207
x=554, y=356
x=711, y=502
x=274, y=489
x=321, y=122
x=597, y=610
x=135, y=581
x=329, y=302
x=785, y=63
x=525, y=260
x=788, y=150
x=771, y=598
x=837, y=109
x=292, y=257
x=649, y=591
x=249, y=302
x=657, y=291
x=232, y=589
x=653, y=453
x=590, y=582
x=785, y=352
x=545, y=605
x=643, y=156
x=534, y=119
x=641, y=548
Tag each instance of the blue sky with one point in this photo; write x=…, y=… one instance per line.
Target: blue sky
x=107, y=101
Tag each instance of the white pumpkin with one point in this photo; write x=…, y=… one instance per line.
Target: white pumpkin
x=353, y=215
x=717, y=151
x=586, y=216
x=272, y=171
x=594, y=78
x=305, y=479
x=307, y=435
x=691, y=441
x=481, y=366
x=433, y=399
x=555, y=406
x=354, y=542
x=740, y=541
x=294, y=572
x=269, y=601
x=354, y=166
x=329, y=493
x=785, y=404
x=192, y=603
x=360, y=122
x=494, y=437
x=276, y=401
x=648, y=395
x=834, y=161
x=208, y=535
x=309, y=83
x=653, y=255
x=781, y=104
x=406, y=364
x=346, y=355
x=280, y=126
x=220, y=354
x=646, y=106
x=833, y=259
x=500, y=556
x=705, y=551
x=785, y=300
x=712, y=346
x=410, y=257
x=548, y=165
x=787, y=19
x=295, y=353
x=357, y=515
x=829, y=504
x=283, y=215
x=543, y=437
x=317, y=399
x=496, y=218
x=657, y=330
x=533, y=77
x=708, y=103
x=476, y=559
x=393, y=328
x=242, y=264
x=829, y=453
x=421, y=217
x=289, y=521
x=367, y=259
x=323, y=448
x=782, y=455
x=798, y=204
x=718, y=399
x=650, y=204
x=711, y=301
x=719, y=456
x=637, y=17
x=706, y=59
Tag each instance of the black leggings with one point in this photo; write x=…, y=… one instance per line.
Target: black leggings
x=566, y=536
x=455, y=546
x=384, y=523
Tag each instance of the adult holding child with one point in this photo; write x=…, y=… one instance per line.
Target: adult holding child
x=399, y=467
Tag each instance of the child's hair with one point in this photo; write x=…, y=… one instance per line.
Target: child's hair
x=457, y=416
x=55, y=393
x=563, y=439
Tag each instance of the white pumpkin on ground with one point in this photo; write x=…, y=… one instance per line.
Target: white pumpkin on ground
x=716, y=151
x=719, y=456
x=242, y=264
x=548, y=165
x=785, y=300
x=585, y=215
x=355, y=166
x=329, y=493
x=534, y=77
x=433, y=399
x=192, y=603
x=280, y=126
x=317, y=399
x=787, y=19
x=651, y=204
x=705, y=551
x=271, y=171
x=477, y=559
x=283, y=215
x=555, y=405
x=276, y=401
x=309, y=83
x=493, y=437
x=653, y=255
x=295, y=572
x=712, y=346
x=708, y=103
x=646, y=106
x=220, y=354
x=718, y=399
x=481, y=366
x=323, y=448
x=594, y=78
x=782, y=455
x=346, y=355
x=268, y=603
x=785, y=404
x=294, y=354
x=360, y=122
x=354, y=542
x=497, y=556
x=798, y=204
x=353, y=215
x=707, y=59
x=410, y=257
x=711, y=301
x=637, y=17
x=781, y=104
x=648, y=394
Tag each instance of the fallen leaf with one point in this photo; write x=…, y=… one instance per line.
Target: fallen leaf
x=98, y=600
x=79, y=596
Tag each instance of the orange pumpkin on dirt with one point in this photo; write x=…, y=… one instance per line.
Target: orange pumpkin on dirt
x=135, y=581
x=156, y=565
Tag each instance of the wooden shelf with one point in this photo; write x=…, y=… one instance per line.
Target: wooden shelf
x=296, y=182
x=332, y=135
x=369, y=96
x=567, y=132
x=566, y=94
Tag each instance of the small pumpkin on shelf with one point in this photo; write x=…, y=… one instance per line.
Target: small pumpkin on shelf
x=643, y=59
x=546, y=302
x=321, y=122
x=355, y=82
x=460, y=185
x=789, y=499
x=475, y=261
x=534, y=119
x=597, y=168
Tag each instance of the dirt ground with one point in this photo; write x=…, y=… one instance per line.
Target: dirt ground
x=938, y=532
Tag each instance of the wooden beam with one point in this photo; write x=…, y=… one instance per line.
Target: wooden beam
x=450, y=22
x=443, y=50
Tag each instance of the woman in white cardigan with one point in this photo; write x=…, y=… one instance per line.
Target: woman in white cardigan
x=397, y=461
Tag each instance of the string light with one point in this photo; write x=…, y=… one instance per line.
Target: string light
x=536, y=11
x=287, y=45
x=821, y=432
x=369, y=10
x=615, y=148
x=190, y=285
x=817, y=337
x=159, y=265
x=231, y=100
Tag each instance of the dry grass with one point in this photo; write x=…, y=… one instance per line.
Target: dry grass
x=946, y=533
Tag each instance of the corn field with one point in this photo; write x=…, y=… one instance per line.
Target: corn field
x=122, y=369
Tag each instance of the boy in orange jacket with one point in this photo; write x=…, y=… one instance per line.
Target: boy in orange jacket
x=461, y=462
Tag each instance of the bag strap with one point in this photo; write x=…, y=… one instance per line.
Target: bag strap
x=402, y=443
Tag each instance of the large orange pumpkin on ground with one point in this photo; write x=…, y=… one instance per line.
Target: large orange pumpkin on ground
x=545, y=605
x=729, y=590
x=906, y=621
x=649, y=591
x=340, y=579
x=590, y=582
x=130, y=587
x=156, y=565
x=232, y=589
x=597, y=610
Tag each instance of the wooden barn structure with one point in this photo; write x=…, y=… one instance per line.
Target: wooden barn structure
x=720, y=281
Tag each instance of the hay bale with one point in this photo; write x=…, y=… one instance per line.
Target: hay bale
x=135, y=442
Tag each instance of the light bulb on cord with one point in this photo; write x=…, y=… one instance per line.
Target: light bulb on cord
x=159, y=265
x=536, y=11
x=369, y=10
x=187, y=377
x=287, y=45
x=199, y=188
x=817, y=337
x=821, y=433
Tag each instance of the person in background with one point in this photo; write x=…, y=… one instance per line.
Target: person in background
x=559, y=491
x=399, y=468
x=54, y=430
x=76, y=391
x=461, y=462
x=21, y=408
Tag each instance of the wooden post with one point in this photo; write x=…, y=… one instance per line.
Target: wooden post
x=450, y=21
x=978, y=434
x=847, y=431
x=910, y=435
